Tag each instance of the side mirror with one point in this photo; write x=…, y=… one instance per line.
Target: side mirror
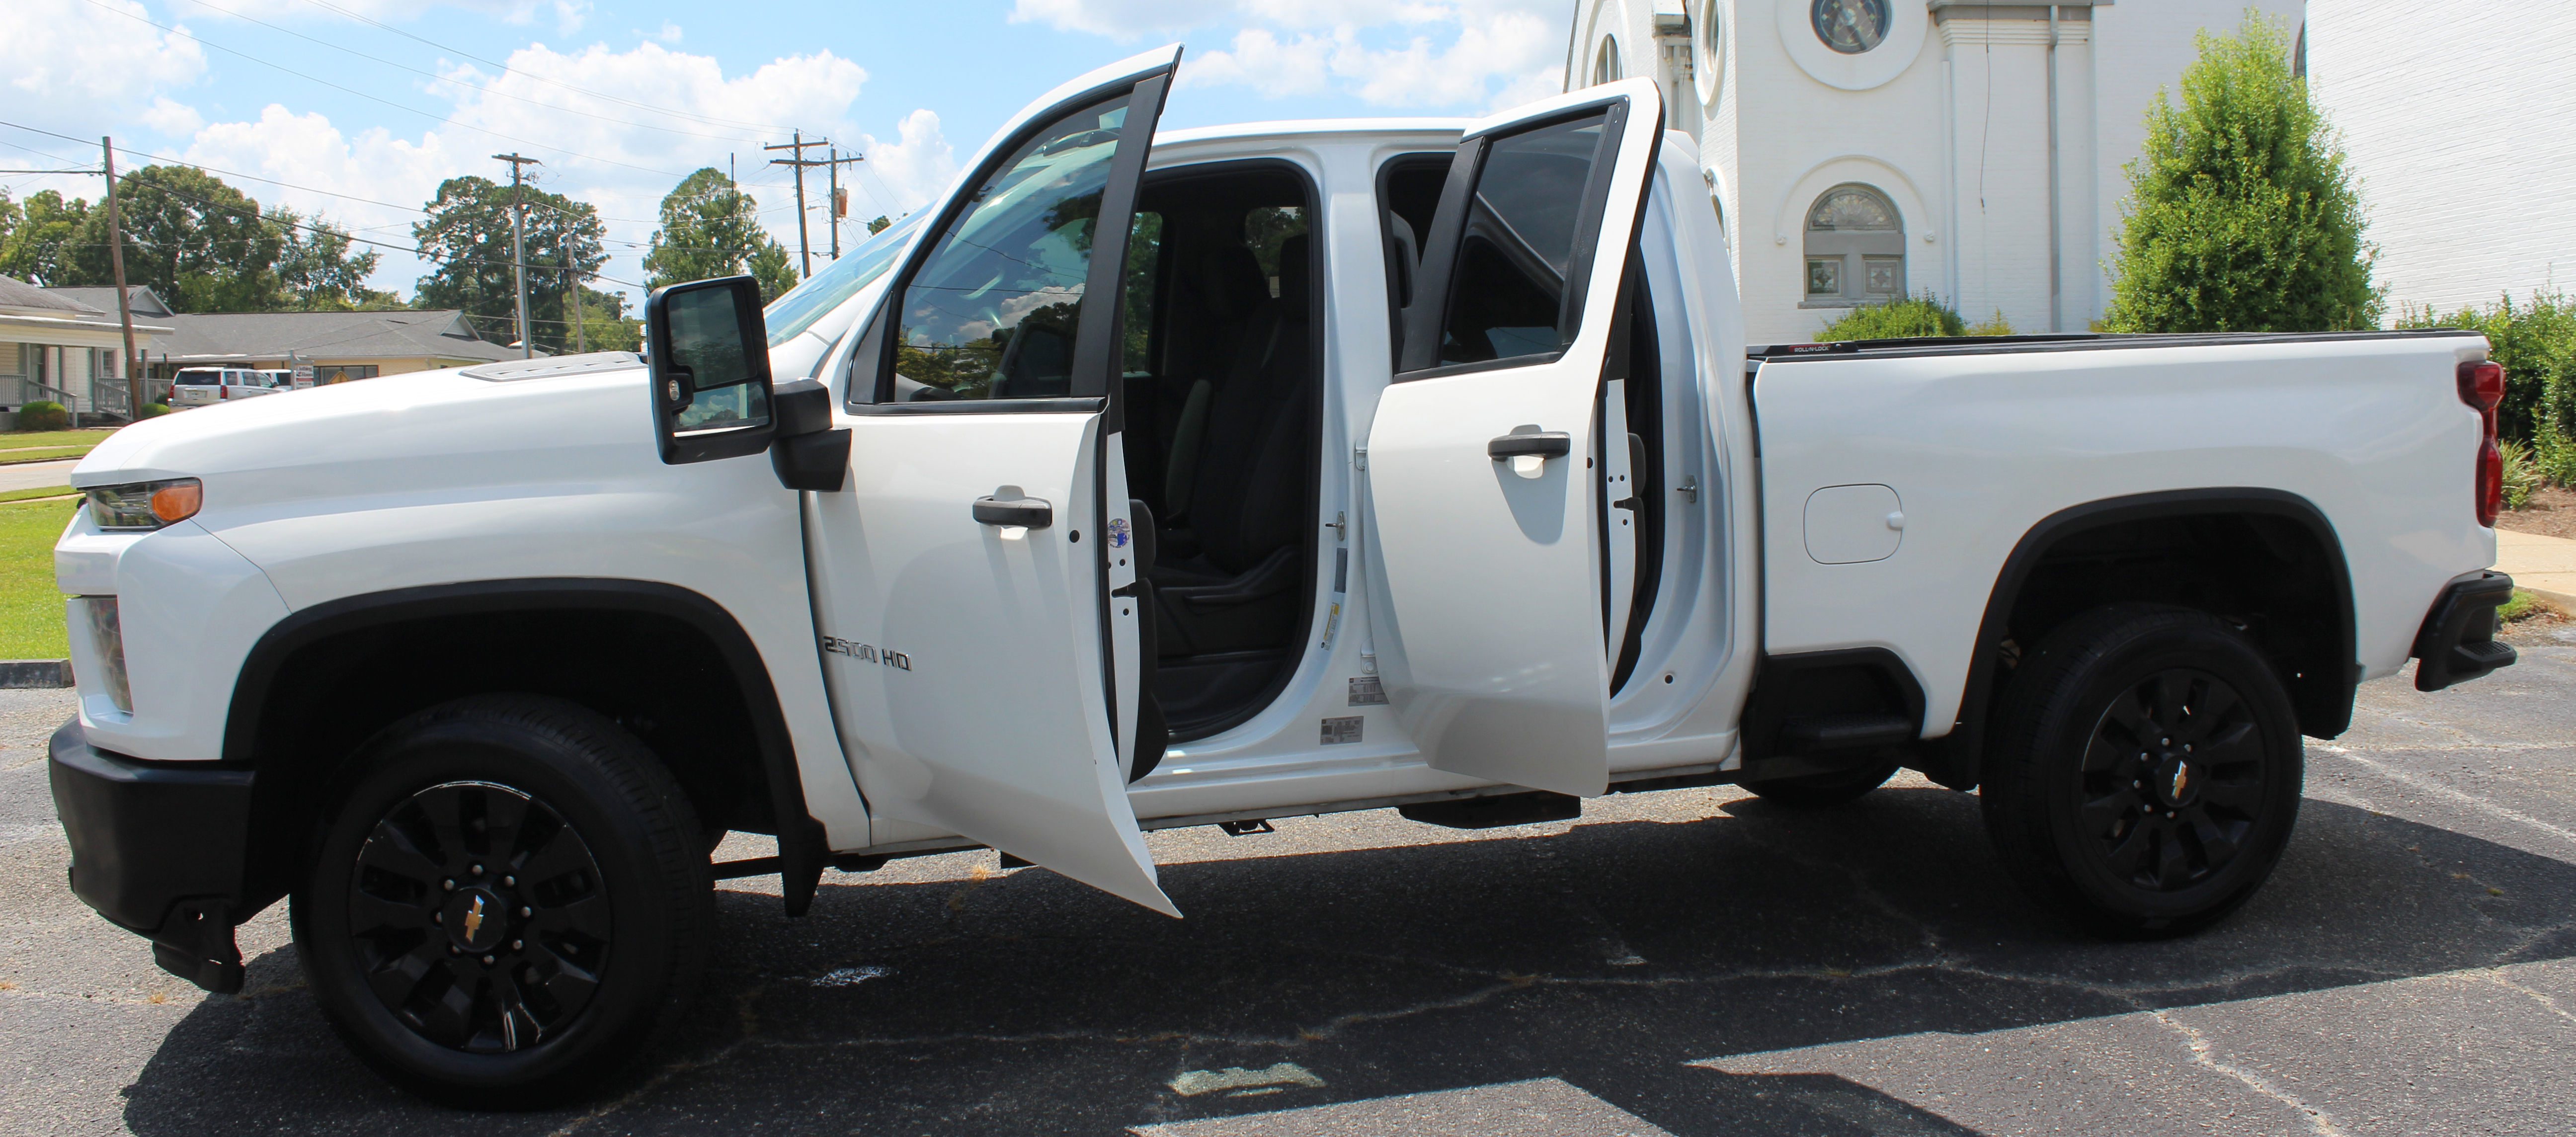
x=707, y=349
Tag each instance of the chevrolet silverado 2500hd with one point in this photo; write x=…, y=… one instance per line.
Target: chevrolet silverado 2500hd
x=1205, y=478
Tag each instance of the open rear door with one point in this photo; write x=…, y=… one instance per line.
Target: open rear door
x=973, y=582
x=1481, y=464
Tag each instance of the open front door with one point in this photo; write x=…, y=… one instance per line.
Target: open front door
x=973, y=582
x=1482, y=461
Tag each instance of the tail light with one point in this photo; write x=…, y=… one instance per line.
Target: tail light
x=2482, y=388
x=225, y=391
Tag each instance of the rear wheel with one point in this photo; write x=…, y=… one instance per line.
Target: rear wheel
x=1814, y=791
x=2146, y=773
x=510, y=902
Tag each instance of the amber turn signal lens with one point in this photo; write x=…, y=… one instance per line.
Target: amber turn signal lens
x=178, y=501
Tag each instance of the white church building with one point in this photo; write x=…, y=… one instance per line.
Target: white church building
x=1859, y=150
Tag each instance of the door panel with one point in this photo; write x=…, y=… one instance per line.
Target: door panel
x=1484, y=458
x=981, y=667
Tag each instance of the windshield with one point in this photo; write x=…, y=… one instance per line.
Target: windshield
x=789, y=315
x=199, y=378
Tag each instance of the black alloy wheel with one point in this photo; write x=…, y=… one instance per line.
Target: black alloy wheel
x=509, y=903
x=2172, y=780
x=2145, y=771
x=481, y=918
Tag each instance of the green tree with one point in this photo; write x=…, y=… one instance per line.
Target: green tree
x=316, y=272
x=879, y=224
x=42, y=238
x=2241, y=216
x=606, y=324
x=467, y=235
x=710, y=228
x=201, y=244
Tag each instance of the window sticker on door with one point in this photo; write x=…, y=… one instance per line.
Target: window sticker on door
x=1368, y=691
x=1342, y=730
x=868, y=653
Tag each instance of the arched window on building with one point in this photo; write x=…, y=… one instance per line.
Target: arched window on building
x=1855, y=248
x=1605, y=62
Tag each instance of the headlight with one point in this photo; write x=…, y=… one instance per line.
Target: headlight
x=145, y=505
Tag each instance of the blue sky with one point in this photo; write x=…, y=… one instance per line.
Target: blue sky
x=362, y=106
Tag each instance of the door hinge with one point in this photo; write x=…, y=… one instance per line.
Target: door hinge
x=1359, y=456
x=1689, y=489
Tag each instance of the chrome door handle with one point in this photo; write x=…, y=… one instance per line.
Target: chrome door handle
x=1545, y=444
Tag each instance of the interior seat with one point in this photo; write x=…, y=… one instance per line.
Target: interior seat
x=1226, y=579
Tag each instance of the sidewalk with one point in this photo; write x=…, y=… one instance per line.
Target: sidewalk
x=2545, y=566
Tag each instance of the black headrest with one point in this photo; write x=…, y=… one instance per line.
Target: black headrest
x=1294, y=272
x=1233, y=282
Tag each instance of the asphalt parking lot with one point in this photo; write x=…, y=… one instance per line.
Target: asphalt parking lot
x=1693, y=962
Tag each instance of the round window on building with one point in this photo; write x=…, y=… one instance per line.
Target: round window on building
x=1605, y=62
x=1855, y=245
x=1851, y=26
x=1710, y=66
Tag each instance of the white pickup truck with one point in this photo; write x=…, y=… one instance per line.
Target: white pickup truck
x=1380, y=464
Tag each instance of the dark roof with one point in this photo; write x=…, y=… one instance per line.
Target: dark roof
x=103, y=297
x=226, y=336
x=16, y=293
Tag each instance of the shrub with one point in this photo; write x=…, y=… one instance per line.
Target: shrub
x=1923, y=315
x=2521, y=474
x=155, y=410
x=1995, y=325
x=2536, y=343
x=43, y=416
x=2241, y=216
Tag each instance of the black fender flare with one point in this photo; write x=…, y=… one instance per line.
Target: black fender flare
x=802, y=846
x=1961, y=758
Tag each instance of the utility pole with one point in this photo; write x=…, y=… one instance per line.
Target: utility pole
x=580, y=342
x=804, y=245
x=519, y=246
x=124, y=303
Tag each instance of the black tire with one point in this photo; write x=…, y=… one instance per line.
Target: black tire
x=597, y=950
x=2146, y=771
x=1816, y=791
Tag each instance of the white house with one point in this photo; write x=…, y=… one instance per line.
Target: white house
x=57, y=349
x=1864, y=149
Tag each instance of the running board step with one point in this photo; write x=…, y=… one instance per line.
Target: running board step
x=1495, y=810
x=1823, y=733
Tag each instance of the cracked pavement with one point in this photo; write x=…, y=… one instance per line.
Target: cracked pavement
x=1694, y=962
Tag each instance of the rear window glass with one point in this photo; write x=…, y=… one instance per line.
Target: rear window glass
x=199, y=378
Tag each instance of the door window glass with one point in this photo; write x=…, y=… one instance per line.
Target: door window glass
x=1507, y=298
x=991, y=312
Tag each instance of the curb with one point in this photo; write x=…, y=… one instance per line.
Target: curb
x=2566, y=600
x=24, y=674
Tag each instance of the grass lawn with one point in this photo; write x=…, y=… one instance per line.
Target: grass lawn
x=42, y=453
x=31, y=612
x=30, y=439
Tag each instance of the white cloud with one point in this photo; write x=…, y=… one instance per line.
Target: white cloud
x=903, y=175
x=596, y=145
x=570, y=15
x=670, y=32
x=72, y=64
x=171, y=117
x=1403, y=53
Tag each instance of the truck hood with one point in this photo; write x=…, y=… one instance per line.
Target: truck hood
x=440, y=426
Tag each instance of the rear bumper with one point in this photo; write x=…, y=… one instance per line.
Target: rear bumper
x=157, y=847
x=2457, y=642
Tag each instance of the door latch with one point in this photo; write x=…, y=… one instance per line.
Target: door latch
x=1689, y=489
x=1340, y=525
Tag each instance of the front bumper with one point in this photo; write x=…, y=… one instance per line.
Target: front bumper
x=2457, y=641
x=158, y=848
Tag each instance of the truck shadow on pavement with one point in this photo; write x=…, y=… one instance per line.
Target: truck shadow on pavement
x=1610, y=956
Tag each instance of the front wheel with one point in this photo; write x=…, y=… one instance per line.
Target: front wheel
x=2146, y=773
x=510, y=901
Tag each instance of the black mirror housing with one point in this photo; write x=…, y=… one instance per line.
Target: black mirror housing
x=707, y=349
